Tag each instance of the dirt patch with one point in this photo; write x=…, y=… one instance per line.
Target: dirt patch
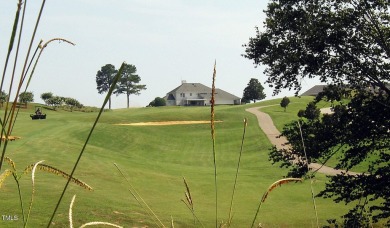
x=166, y=123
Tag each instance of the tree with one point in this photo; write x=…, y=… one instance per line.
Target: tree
x=158, y=101
x=128, y=83
x=104, y=79
x=253, y=91
x=345, y=44
x=311, y=112
x=72, y=103
x=284, y=102
x=26, y=97
x=46, y=96
x=55, y=101
x=3, y=97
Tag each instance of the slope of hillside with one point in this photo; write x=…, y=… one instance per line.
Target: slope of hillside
x=155, y=159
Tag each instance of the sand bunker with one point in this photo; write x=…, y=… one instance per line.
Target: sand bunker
x=165, y=123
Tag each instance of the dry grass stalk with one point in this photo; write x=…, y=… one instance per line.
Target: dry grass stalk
x=212, y=101
x=188, y=195
x=51, y=169
x=270, y=188
x=10, y=162
x=308, y=170
x=279, y=183
x=71, y=212
x=89, y=223
x=56, y=39
x=4, y=176
x=172, y=225
x=140, y=200
x=100, y=223
x=34, y=167
x=230, y=218
x=189, y=201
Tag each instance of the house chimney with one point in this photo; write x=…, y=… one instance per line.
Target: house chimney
x=183, y=81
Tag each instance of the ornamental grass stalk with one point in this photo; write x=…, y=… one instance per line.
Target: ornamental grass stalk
x=212, y=101
x=270, y=188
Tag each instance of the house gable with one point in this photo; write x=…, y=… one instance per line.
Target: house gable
x=197, y=94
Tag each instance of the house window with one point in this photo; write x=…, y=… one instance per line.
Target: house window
x=190, y=94
x=182, y=95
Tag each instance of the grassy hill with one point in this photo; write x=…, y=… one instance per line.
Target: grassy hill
x=155, y=159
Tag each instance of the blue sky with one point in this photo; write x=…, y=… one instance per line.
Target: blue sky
x=167, y=40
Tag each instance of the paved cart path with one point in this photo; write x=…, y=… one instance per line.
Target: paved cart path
x=268, y=127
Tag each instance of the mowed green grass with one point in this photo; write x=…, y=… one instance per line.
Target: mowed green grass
x=155, y=159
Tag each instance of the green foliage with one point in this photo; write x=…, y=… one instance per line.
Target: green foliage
x=284, y=102
x=343, y=43
x=55, y=102
x=128, y=83
x=336, y=41
x=311, y=112
x=72, y=103
x=46, y=96
x=3, y=97
x=158, y=101
x=254, y=91
x=104, y=78
x=26, y=97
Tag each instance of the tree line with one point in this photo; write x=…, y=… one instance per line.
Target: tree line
x=47, y=97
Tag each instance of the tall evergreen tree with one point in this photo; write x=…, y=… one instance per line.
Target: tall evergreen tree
x=128, y=83
x=104, y=79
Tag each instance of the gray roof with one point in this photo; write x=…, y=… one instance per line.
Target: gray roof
x=200, y=88
x=222, y=93
x=313, y=91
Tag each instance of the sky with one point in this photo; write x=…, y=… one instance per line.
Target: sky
x=167, y=40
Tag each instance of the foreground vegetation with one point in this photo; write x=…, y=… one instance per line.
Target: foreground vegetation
x=155, y=159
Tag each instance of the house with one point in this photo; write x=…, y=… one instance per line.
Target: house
x=314, y=91
x=197, y=94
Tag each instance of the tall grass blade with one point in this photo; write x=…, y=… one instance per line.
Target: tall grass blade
x=22, y=73
x=193, y=213
x=213, y=139
x=42, y=48
x=113, y=85
x=11, y=42
x=137, y=196
x=238, y=168
x=25, y=62
x=17, y=112
x=270, y=188
x=33, y=191
x=311, y=181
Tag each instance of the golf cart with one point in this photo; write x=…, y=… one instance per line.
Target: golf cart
x=38, y=114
